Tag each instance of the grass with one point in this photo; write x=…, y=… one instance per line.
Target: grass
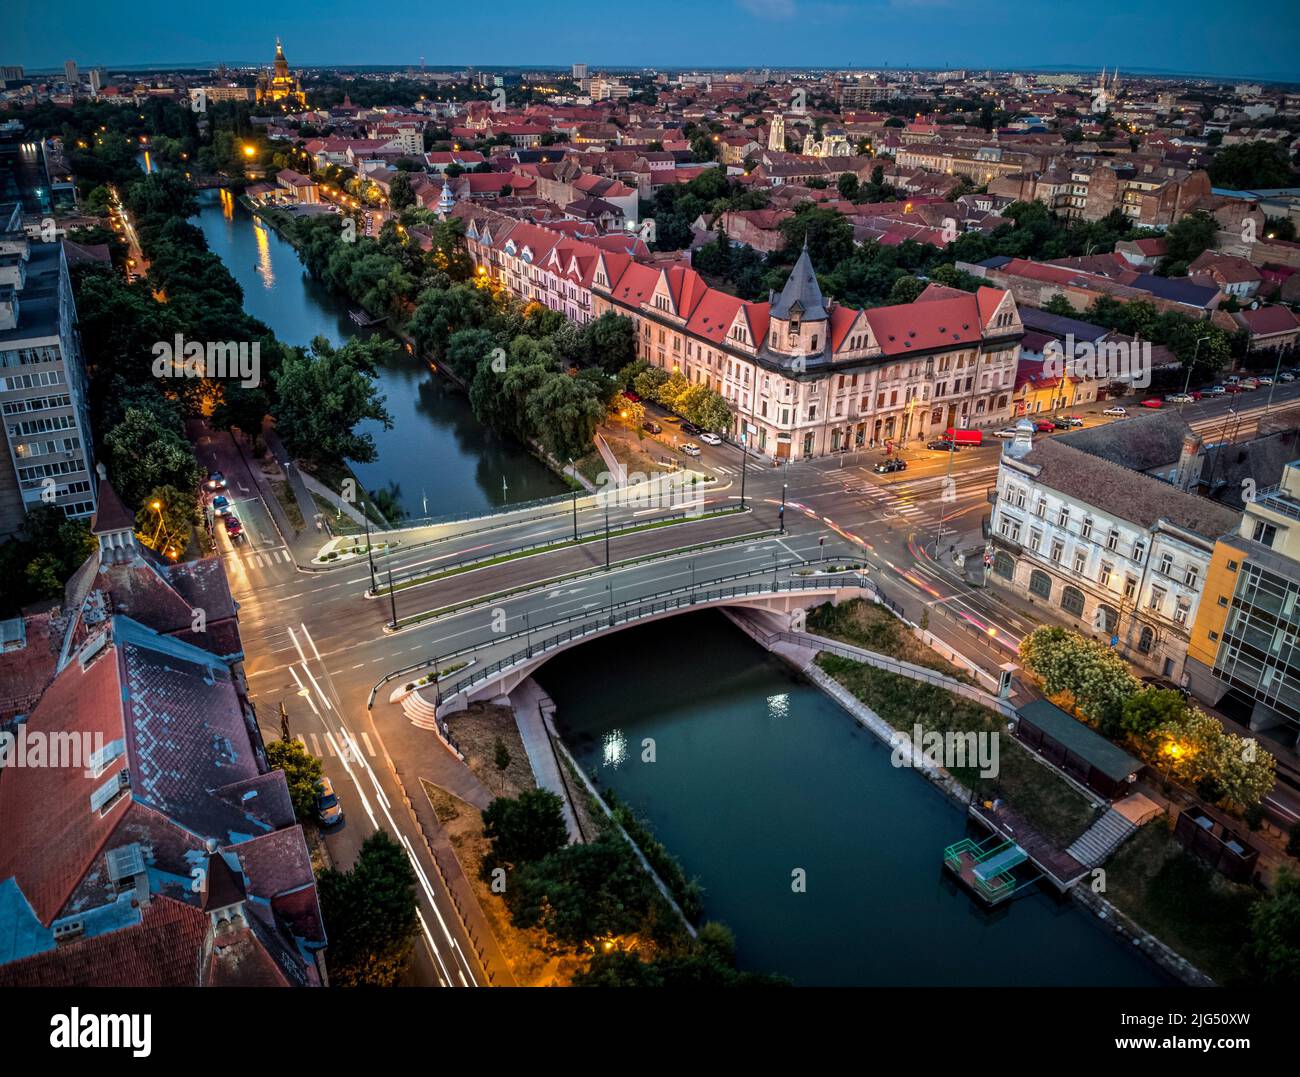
x=284, y=495
x=1181, y=901
x=1035, y=791
x=339, y=523
x=873, y=628
x=476, y=730
x=334, y=474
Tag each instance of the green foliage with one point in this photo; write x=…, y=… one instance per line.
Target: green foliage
x=302, y=771
x=166, y=519
x=36, y=564
x=1274, y=951
x=523, y=829
x=1189, y=238
x=1150, y=707
x=1251, y=165
x=324, y=392
x=1094, y=676
x=144, y=451
x=370, y=915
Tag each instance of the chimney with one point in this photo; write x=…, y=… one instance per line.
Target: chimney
x=1191, y=459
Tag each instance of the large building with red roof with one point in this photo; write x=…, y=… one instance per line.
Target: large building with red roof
x=158, y=848
x=804, y=376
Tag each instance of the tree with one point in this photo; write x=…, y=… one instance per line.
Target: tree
x=370, y=915
x=501, y=759
x=906, y=290
x=1251, y=165
x=1095, y=677
x=1189, y=238
x=324, y=392
x=1060, y=306
x=302, y=771
x=647, y=383
x=401, y=194
x=1151, y=707
x=565, y=413
x=1274, y=950
x=524, y=828
x=847, y=185
x=143, y=453
x=166, y=519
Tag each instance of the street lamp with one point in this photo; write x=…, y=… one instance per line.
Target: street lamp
x=574, y=476
x=1192, y=366
x=157, y=507
x=781, y=515
x=370, y=557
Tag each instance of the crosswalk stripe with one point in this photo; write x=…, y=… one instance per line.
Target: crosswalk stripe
x=369, y=747
x=315, y=745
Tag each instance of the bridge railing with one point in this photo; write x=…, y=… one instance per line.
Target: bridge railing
x=626, y=612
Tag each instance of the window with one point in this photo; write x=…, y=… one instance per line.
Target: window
x=1166, y=564
x=1130, y=586
x=1145, y=640
x=1085, y=528
x=1058, y=550
x=1232, y=566
x=1080, y=561
x=1041, y=510
x=1139, y=551
x=1223, y=600
x=1103, y=576
x=1180, y=612
x=1157, y=598
x=1072, y=601
x=1192, y=576
x=1040, y=583
x=1035, y=539
x=1112, y=540
x=1107, y=619
x=1063, y=517
x=1004, y=565
x=1264, y=533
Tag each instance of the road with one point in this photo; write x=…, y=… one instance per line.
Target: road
x=319, y=643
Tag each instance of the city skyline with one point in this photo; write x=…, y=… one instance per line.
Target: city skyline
x=758, y=33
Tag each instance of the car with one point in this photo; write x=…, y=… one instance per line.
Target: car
x=1044, y=426
x=1061, y=424
x=1153, y=402
x=1215, y=390
x=1115, y=412
x=892, y=464
x=652, y=426
x=1286, y=375
x=1235, y=387
x=1179, y=398
x=1073, y=420
x=691, y=449
x=233, y=527
x=690, y=429
x=221, y=505
x=215, y=481
x=1250, y=384
x=710, y=438
x=1264, y=380
x=329, y=812
x=635, y=398
x=1005, y=432
x=942, y=445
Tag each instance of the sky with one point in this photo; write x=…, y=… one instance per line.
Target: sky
x=1192, y=36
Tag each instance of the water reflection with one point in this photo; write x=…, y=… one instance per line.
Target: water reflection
x=615, y=748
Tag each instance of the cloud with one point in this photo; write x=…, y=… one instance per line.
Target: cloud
x=769, y=9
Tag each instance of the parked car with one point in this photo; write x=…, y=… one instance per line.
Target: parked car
x=942, y=445
x=1044, y=426
x=652, y=426
x=329, y=812
x=710, y=438
x=691, y=449
x=1286, y=375
x=215, y=481
x=691, y=429
x=1180, y=398
x=890, y=465
x=1005, y=432
x=1265, y=380
x=1250, y=384
x=1073, y=420
x=635, y=398
x=1115, y=411
x=1061, y=424
x=1153, y=402
x=1235, y=387
x=233, y=527
x=1214, y=390
x=221, y=505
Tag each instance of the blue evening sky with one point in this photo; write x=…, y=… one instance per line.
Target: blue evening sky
x=1204, y=36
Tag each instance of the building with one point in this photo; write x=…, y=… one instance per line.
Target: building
x=1244, y=655
x=70, y=75
x=804, y=376
x=1099, y=530
x=48, y=457
x=578, y=72
x=281, y=85
x=303, y=189
x=159, y=849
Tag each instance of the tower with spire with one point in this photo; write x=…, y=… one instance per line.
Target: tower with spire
x=776, y=135
x=800, y=321
x=280, y=85
x=446, y=201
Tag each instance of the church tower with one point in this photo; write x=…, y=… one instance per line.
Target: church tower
x=800, y=324
x=446, y=201
x=776, y=136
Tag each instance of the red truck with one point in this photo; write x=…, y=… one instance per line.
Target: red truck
x=964, y=437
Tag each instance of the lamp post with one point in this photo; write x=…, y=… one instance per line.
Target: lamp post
x=157, y=507
x=744, y=462
x=1191, y=366
x=775, y=562
x=1276, y=371
x=370, y=557
x=392, y=597
x=781, y=515
x=573, y=469
x=609, y=590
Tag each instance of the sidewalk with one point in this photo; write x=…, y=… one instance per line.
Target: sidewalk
x=527, y=701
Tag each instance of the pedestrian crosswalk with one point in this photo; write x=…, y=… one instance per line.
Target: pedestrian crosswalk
x=261, y=558
x=917, y=498
x=330, y=746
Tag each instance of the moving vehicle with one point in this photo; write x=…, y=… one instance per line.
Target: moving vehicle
x=1153, y=402
x=328, y=810
x=233, y=527
x=1005, y=432
x=215, y=481
x=1235, y=387
x=710, y=438
x=1073, y=420
x=893, y=464
x=964, y=437
x=1180, y=398
x=691, y=449
x=1115, y=412
x=652, y=426
x=1214, y=390
x=942, y=445
x=221, y=505
x=1044, y=426
x=690, y=428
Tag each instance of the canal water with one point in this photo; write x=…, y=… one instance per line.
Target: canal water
x=441, y=460
x=757, y=774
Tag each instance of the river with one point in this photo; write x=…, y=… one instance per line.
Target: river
x=441, y=459
x=758, y=773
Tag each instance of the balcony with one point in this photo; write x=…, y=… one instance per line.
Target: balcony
x=1275, y=499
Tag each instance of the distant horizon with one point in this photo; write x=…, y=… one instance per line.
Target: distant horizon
x=1063, y=69
x=1199, y=39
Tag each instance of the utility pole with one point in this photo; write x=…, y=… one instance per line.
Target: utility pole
x=781, y=514
x=744, y=460
x=392, y=596
x=284, y=723
x=365, y=517
x=575, y=499
x=607, y=537
x=775, y=562
x=1276, y=371
x=1190, y=367
x=947, y=485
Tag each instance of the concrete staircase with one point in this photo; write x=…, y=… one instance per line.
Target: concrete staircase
x=1096, y=844
x=420, y=711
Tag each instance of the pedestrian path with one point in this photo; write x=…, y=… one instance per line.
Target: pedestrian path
x=532, y=707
